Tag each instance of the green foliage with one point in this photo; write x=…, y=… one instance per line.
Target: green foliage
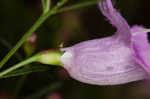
x=25, y=71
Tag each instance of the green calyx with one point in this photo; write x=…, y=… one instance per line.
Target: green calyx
x=50, y=57
x=47, y=57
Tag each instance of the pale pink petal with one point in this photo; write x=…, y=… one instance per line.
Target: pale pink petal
x=102, y=62
x=141, y=48
x=106, y=61
x=123, y=29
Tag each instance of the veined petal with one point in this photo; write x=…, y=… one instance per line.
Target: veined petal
x=141, y=48
x=123, y=29
x=102, y=62
x=106, y=61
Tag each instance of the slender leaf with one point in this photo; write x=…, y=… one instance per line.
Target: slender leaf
x=25, y=71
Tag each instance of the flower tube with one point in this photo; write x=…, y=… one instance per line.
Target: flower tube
x=111, y=60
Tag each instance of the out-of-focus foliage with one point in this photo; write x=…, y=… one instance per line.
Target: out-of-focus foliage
x=70, y=27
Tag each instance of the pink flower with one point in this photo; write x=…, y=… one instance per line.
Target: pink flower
x=112, y=60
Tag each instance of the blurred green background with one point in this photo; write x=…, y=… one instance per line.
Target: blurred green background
x=71, y=27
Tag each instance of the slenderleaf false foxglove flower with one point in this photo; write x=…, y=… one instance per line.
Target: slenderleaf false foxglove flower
x=111, y=60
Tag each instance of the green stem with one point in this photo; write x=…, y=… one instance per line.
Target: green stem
x=20, y=83
x=46, y=5
x=21, y=64
x=77, y=6
x=43, y=4
x=9, y=46
x=41, y=19
x=21, y=41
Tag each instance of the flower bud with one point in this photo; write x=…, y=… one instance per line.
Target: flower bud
x=30, y=45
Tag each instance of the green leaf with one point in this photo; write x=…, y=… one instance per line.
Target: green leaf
x=25, y=71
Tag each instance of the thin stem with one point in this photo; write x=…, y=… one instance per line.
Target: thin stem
x=46, y=5
x=77, y=6
x=22, y=79
x=20, y=83
x=41, y=19
x=21, y=41
x=9, y=46
x=21, y=64
x=43, y=4
x=58, y=5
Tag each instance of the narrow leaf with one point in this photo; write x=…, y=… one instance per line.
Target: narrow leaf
x=25, y=71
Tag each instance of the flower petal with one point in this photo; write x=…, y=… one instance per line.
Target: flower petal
x=102, y=62
x=105, y=61
x=141, y=48
x=123, y=29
